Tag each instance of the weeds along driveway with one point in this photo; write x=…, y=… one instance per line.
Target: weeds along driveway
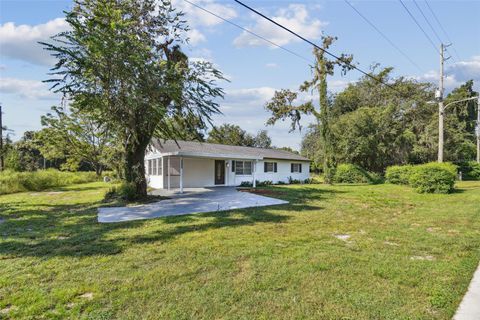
x=192, y=201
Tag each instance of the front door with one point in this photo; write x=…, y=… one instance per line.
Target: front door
x=219, y=172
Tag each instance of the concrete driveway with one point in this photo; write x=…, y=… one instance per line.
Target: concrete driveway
x=191, y=201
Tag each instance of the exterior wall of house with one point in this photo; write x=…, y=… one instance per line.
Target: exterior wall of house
x=154, y=181
x=199, y=172
x=283, y=171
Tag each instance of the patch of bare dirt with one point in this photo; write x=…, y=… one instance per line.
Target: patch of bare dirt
x=343, y=237
x=7, y=309
x=427, y=258
x=244, y=270
x=87, y=295
x=389, y=243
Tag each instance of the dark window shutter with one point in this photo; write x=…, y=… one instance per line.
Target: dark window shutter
x=233, y=165
x=291, y=167
x=264, y=167
x=275, y=166
x=300, y=168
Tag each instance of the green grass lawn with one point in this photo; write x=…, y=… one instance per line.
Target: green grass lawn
x=335, y=252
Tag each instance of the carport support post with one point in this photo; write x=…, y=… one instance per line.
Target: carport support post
x=168, y=173
x=253, y=171
x=181, y=175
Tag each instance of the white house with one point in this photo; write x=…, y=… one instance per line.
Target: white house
x=189, y=164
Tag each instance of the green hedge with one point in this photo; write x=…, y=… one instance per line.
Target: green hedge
x=351, y=173
x=425, y=178
x=398, y=174
x=12, y=181
x=470, y=170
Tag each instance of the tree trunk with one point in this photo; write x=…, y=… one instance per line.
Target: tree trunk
x=98, y=170
x=329, y=162
x=135, y=167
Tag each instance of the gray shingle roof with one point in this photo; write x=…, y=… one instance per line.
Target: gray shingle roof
x=193, y=148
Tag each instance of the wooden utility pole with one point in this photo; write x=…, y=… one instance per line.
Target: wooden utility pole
x=441, y=109
x=478, y=129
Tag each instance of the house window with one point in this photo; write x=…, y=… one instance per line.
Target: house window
x=243, y=167
x=269, y=167
x=150, y=167
x=159, y=166
x=154, y=167
x=296, y=167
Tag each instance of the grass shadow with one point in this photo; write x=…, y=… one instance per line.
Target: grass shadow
x=42, y=228
x=216, y=220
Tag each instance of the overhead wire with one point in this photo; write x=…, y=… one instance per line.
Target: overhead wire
x=419, y=26
x=343, y=61
x=441, y=27
x=428, y=22
x=384, y=36
x=250, y=32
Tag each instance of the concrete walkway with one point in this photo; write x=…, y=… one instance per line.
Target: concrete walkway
x=191, y=201
x=469, y=308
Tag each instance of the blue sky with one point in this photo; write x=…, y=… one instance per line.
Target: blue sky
x=254, y=68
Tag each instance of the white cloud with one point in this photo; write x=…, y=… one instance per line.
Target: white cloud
x=465, y=70
x=338, y=85
x=296, y=17
x=21, y=41
x=197, y=17
x=456, y=74
x=271, y=65
x=245, y=107
x=30, y=89
x=195, y=37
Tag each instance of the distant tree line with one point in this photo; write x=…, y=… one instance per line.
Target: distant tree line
x=372, y=126
x=70, y=141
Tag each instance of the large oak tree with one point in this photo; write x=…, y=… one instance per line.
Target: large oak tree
x=122, y=60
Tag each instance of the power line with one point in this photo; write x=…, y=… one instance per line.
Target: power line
x=384, y=36
x=347, y=63
x=419, y=26
x=428, y=22
x=431, y=27
x=441, y=27
x=250, y=32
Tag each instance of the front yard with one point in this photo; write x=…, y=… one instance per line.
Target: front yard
x=347, y=251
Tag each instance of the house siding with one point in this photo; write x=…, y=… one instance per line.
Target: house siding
x=283, y=171
x=154, y=181
x=199, y=172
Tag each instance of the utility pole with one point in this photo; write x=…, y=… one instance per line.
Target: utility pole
x=477, y=129
x=440, y=106
x=441, y=109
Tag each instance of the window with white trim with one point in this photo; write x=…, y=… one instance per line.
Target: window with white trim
x=269, y=167
x=159, y=166
x=296, y=168
x=150, y=167
x=243, y=168
x=154, y=167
